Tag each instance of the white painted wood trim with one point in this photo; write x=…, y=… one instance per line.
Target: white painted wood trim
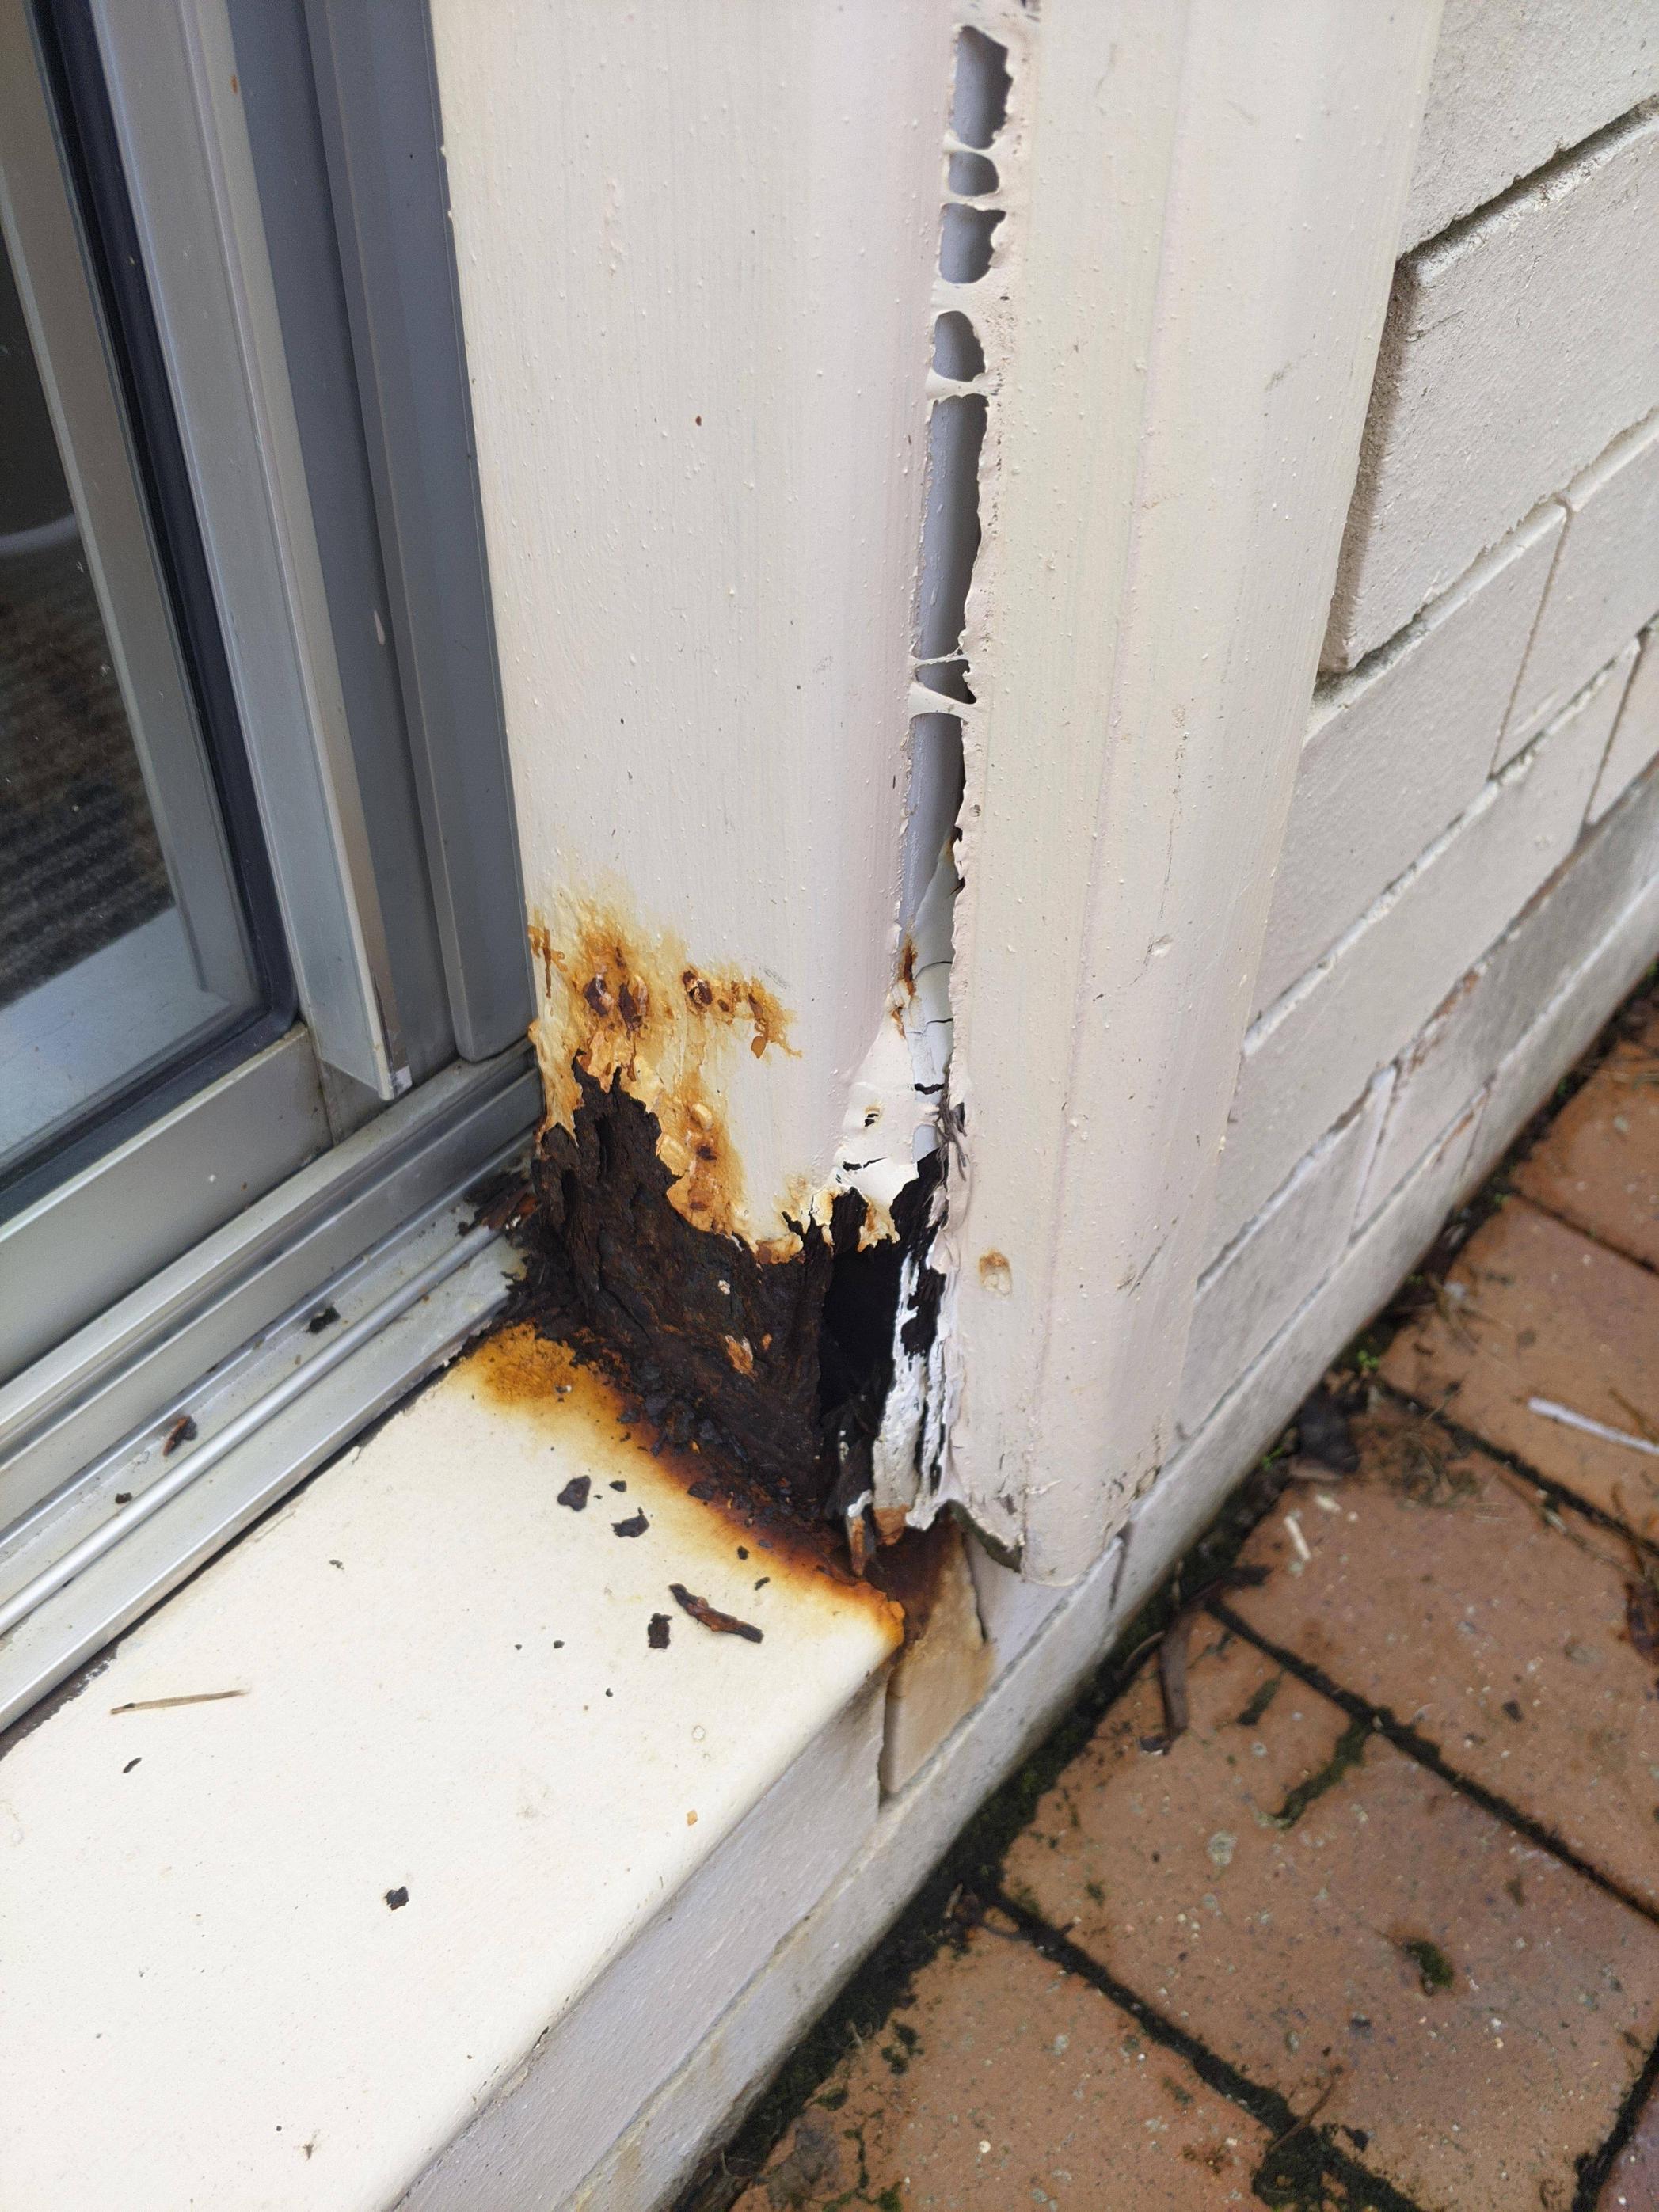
x=697, y=252
x=1202, y=230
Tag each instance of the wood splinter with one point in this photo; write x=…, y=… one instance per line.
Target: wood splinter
x=723, y=1624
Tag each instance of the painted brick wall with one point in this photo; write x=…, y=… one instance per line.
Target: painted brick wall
x=1470, y=877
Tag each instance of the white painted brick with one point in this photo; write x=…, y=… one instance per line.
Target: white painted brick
x=1489, y=1009
x=1267, y=1394
x=1636, y=737
x=1605, y=584
x=1566, y=1030
x=1257, y=1283
x=1517, y=346
x=1514, y=82
x=1396, y=751
x=1012, y=1610
x=1309, y=1058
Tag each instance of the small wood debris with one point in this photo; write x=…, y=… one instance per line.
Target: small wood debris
x=723, y=1624
x=1172, y=1650
x=161, y=1705
x=183, y=1431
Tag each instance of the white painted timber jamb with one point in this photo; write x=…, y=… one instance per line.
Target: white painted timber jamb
x=697, y=252
x=1211, y=198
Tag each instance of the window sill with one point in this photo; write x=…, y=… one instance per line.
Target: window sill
x=216, y=1993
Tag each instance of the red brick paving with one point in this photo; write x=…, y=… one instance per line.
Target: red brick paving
x=1597, y=1164
x=1002, y=2080
x=1287, y=1932
x=1522, y=1675
x=1536, y=1311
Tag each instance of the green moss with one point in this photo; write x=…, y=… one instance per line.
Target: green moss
x=1259, y=1702
x=1350, y=1751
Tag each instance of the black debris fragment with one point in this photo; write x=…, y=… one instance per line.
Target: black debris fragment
x=656, y=1634
x=396, y=1899
x=635, y=1525
x=574, y=1493
x=1323, y=1433
x=325, y=1317
x=130, y=1763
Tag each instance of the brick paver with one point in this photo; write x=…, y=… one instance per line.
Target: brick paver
x=1432, y=1586
x=1331, y=1918
x=1634, y=2184
x=1536, y=1310
x=1597, y=1164
x=1002, y=2080
x=1378, y=1930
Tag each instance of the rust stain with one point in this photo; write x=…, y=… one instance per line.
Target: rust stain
x=626, y=1006
x=564, y=1385
x=996, y=1273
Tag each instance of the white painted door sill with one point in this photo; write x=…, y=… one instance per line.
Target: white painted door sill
x=404, y=1796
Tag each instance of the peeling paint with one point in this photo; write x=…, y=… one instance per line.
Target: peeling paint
x=972, y=337
x=838, y=1378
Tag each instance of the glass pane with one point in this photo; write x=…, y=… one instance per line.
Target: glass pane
x=121, y=944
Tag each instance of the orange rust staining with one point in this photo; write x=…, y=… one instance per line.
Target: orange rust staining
x=517, y=1367
x=741, y=1354
x=996, y=1273
x=541, y=948
x=775, y=1251
x=533, y=1376
x=891, y=1521
x=624, y=1005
